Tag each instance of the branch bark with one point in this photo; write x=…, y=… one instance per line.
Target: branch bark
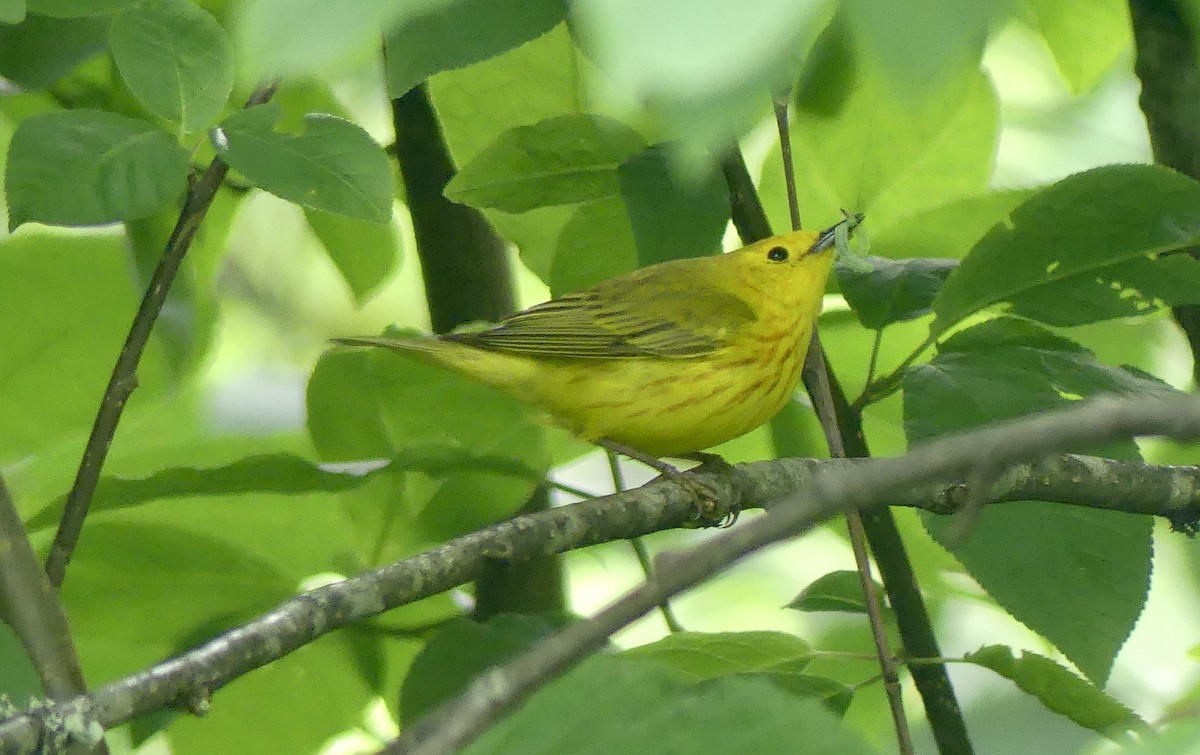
x=927, y=478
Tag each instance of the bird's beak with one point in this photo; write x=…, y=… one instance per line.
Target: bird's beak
x=828, y=237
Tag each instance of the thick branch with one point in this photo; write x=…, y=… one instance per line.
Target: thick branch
x=1164, y=34
x=30, y=606
x=124, y=375
x=505, y=687
x=1171, y=492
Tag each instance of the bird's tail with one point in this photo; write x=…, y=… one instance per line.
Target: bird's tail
x=395, y=343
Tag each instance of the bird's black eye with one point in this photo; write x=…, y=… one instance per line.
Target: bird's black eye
x=777, y=254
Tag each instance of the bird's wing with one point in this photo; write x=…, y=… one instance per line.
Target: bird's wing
x=632, y=317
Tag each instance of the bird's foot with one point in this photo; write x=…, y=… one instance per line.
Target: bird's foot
x=710, y=511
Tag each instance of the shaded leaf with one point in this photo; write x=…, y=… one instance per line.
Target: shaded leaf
x=883, y=291
x=459, y=33
x=461, y=650
x=176, y=60
x=606, y=705
x=561, y=160
x=365, y=253
x=672, y=217
x=40, y=50
x=835, y=591
x=597, y=243
x=699, y=656
x=77, y=8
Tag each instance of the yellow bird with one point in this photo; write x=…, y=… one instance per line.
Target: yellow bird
x=667, y=360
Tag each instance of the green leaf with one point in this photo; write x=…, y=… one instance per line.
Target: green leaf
x=366, y=254
x=699, y=656
x=672, y=217
x=597, y=243
x=461, y=650
x=20, y=681
x=1070, y=235
x=775, y=657
x=12, y=11
x=332, y=165
x=176, y=60
x=272, y=473
x=38, y=51
x=948, y=230
x=703, y=70
x=60, y=356
x=607, y=705
x=77, y=8
x=540, y=79
x=835, y=591
x=459, y=33
x=561, y=160
x=380, y=405
x=889, y=291
x=865, y=145
x=936, y=40
x=86, y=167
x=1099, y=560
x=1084, y=46
x=298, y=38
x=1060, y=690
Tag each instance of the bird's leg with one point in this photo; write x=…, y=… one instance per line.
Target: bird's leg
x=708, y=503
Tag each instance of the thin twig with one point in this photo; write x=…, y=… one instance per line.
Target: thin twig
x=124, y=375
x=505, y=687
x=818, y=372
x=638, y=544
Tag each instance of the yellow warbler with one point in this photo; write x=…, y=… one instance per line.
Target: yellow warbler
x=667, y=360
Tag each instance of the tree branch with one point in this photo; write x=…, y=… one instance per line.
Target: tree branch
x=30, y=606
x=1171, y=492
x=505, y=687
x=124, y=375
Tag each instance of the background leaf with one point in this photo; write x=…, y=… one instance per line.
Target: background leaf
x=703, y=69
x=864, y=146
x=175, y=59
x=41, y=49
x=461, y=32
x=672, y=218
x=77, y=8
x=606, y=705
x=561, y=160
x=365, y=253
